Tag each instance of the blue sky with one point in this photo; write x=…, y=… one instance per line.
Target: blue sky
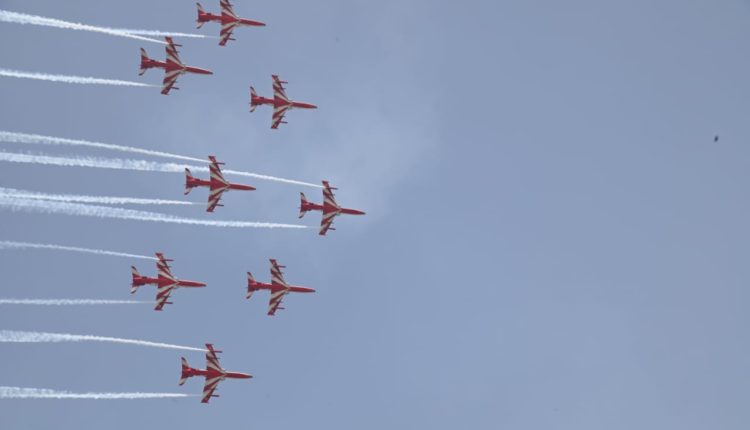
x=552, y=239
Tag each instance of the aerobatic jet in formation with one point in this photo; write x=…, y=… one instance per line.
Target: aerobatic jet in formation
x=278, y=287
x=280, y=102
x=228, y=20
x=330, y=208
x=213, y=373
x=165, y=282
x=217, y=184
x=173, y=67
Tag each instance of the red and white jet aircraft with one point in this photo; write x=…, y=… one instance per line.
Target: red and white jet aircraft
x=280, y=102
x=228, y=20
x=278, y=287
x=216, y=184
x=165, y=282
x=330, y=208
x=173, y=67
x=213, y=373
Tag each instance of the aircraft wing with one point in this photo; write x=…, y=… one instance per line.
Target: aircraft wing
x=277, y=277
x=172, y=54
x=209, y=387
x=162, y=295
x=328, y=198
x=162, y=267
x=326, y=221
x=226, y=8
x=215, y=170
x=278, y=115
x=212, y=358
x=278, y=88
x=275, y=302
x=226, y=32
x=214, y=196
x=170, y=78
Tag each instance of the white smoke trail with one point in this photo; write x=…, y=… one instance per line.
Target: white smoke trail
x=22, y=18
x=70, y=79
x=43, y=393
x=127, y=164
x=68, y=302
x=12, y=336
x=77, y=209
x=12, y=137
x=163, y=33
x=6, y=244
x=104, y=200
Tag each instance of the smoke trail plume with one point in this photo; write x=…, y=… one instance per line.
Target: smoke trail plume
x=68, y=302
x=103, y=200
x=43, y=393
x=159, y=33
x=77, y=209
x=127, y=164
x=12, y=137
x=6, y=244
x=70, y=79
x=12, y=336
x=22, y=18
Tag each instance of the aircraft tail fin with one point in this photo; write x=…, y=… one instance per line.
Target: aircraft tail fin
x=134, y=286
x=302, y=205
x=201, y=12
x=188, y=177
x=144, y=61
x=250, y=285
x=185, y=371
x=253, y=99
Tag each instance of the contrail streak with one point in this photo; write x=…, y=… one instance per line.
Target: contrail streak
x=12, y=137
x=122, y=163
x=159, y=33
x=6, y=244
x=12, y=336
x=43, y=393
x=43, y=206
x=70, y=79
x=22, y=18
x=104, y=200
x=68, y=302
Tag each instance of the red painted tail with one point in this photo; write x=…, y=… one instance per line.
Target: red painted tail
x=201, y=13
x=144, y=62
x=253, y=99
x=185, y=371
x=188, y=178
x=136, y=275
x=302, y=205
x=251, y=288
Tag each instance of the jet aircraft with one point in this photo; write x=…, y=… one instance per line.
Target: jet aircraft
x=165, y=282
x=217, y=184
x=278, y=287
x=280, y=102
x=228, y=20
x=173, y=67
x=213, y=373
x=330, y=208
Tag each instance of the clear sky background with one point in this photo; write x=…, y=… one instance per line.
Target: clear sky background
x=552, y=239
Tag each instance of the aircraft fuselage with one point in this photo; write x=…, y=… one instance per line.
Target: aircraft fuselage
x=162, y=281
x=278, y=101
x=171, y=66
x=224, y=18
x=307, y=206
x=216, y=185
x=210, y=374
